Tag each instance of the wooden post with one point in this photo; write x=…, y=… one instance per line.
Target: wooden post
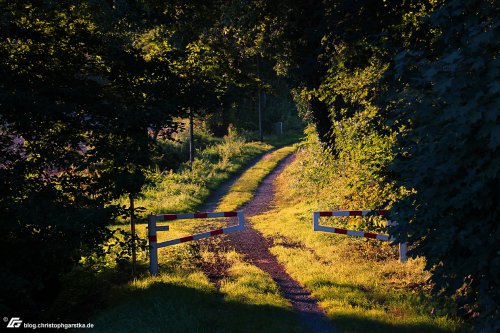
x=261, y=137
x=191, y=140
x=132, y=231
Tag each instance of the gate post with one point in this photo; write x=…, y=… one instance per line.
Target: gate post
x=241, y=220
x=402, y=252
x=315, y=221
x=153, y=248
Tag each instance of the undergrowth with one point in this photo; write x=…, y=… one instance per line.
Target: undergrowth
x=359, y=283
x=185, y=189
x=181, y=298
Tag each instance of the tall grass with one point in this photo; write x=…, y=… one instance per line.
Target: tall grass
x=360, y=283
x=181, y=298
x=185, y=189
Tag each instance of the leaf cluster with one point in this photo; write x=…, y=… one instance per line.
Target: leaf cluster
x=446, y=95
x=86, y=88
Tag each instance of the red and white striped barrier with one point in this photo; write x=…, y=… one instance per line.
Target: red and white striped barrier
x=355, y=233
x=381, y=212
x=153, y=228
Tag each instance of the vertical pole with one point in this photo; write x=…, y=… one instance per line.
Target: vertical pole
x=402, y=252
x=402, y=246
x=261, y=137
x=132, y=231
x=153, y=249
x=241, y=221
x=191, y=140
x=315, y=221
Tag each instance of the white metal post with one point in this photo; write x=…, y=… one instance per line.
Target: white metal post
x=153, y=248
x=402, y=252
x=402, y=246
x=315, y=221
x=241, y=220
x=191, y=139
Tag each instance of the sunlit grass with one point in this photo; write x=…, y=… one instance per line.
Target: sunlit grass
x=188, y=303
x=359, y=283
x=248, y=284
x=181, y=298
x=185, y=191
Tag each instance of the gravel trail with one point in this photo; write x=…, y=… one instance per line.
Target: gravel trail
x=255, y=247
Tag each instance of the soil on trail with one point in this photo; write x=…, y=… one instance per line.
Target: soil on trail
x=255, y=247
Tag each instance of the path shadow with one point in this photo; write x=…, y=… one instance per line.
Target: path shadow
x=166, y=307
x=357, y=324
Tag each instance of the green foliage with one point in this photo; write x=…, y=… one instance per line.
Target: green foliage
x=350, y=181
x=437, y=68
x=172, y=153
x=184, y=189
x=359, y=283
x=91, y=92
x=447, y=96
x=68, y=145
x=85, y=89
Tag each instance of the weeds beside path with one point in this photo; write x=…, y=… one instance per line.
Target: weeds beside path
x=252, y=281
x=183, y=299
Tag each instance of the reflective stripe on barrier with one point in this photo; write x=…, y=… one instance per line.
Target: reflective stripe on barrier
x=153, y=228
x=381, y=212
x=355, y=233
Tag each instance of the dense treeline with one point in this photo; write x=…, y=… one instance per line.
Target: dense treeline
x=445, y=94
x=86, y=90
x=409, y=92
x=403, y=96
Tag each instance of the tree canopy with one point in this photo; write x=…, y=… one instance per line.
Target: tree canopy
x=403, y=94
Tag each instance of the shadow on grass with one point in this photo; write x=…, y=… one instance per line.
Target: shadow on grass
x=287, y=138
x=165, y=307
x=358, y=324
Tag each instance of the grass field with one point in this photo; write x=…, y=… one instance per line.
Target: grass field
x=359, y=283
x=181, y=298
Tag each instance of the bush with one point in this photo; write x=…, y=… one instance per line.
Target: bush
x=448, y=98
x=172, y=153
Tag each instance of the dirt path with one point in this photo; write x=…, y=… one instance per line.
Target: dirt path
x=255, y=247
x=216, y=196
